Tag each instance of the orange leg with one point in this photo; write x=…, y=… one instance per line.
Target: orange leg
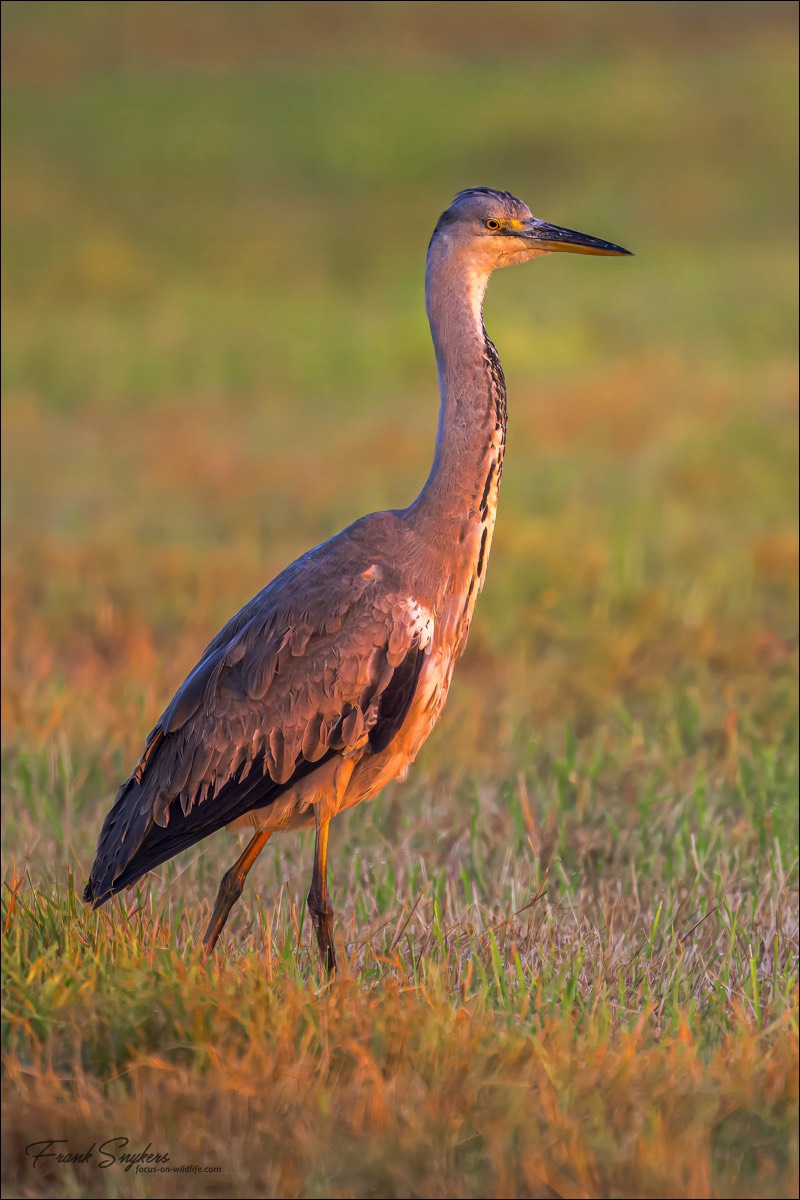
x=319, y=902
x=230, y=889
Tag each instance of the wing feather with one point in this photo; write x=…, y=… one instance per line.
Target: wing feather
x=291, y=687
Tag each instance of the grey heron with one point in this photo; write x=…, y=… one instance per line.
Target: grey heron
x=324, y=686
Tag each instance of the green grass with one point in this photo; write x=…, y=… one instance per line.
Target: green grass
x=570, y=941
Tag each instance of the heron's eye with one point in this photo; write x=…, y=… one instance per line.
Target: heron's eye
x=492, y=223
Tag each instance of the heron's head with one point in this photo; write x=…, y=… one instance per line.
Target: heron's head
x=495, y=229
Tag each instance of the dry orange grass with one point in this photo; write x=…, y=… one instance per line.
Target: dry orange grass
x=570, y=942
x=395, y=1095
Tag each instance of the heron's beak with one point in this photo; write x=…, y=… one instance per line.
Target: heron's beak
x=543, y=236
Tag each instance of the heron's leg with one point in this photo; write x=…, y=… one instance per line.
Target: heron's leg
x=319, y=902
x=230, y=889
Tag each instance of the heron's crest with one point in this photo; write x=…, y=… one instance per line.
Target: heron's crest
x=485, y=191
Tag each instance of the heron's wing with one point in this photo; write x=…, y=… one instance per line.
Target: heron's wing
x=292, y=687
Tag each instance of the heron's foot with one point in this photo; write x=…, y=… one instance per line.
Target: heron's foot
x=230, y=889
x=321, y=911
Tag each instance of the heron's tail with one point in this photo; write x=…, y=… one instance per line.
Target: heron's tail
x=124, y=829
x=132, y=842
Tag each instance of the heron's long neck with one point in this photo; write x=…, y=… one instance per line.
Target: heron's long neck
x=459, y=499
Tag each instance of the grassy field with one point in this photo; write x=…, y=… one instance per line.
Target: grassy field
x=570, y=942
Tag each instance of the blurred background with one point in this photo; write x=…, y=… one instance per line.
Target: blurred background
x=570, y=939
x=216, y=352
